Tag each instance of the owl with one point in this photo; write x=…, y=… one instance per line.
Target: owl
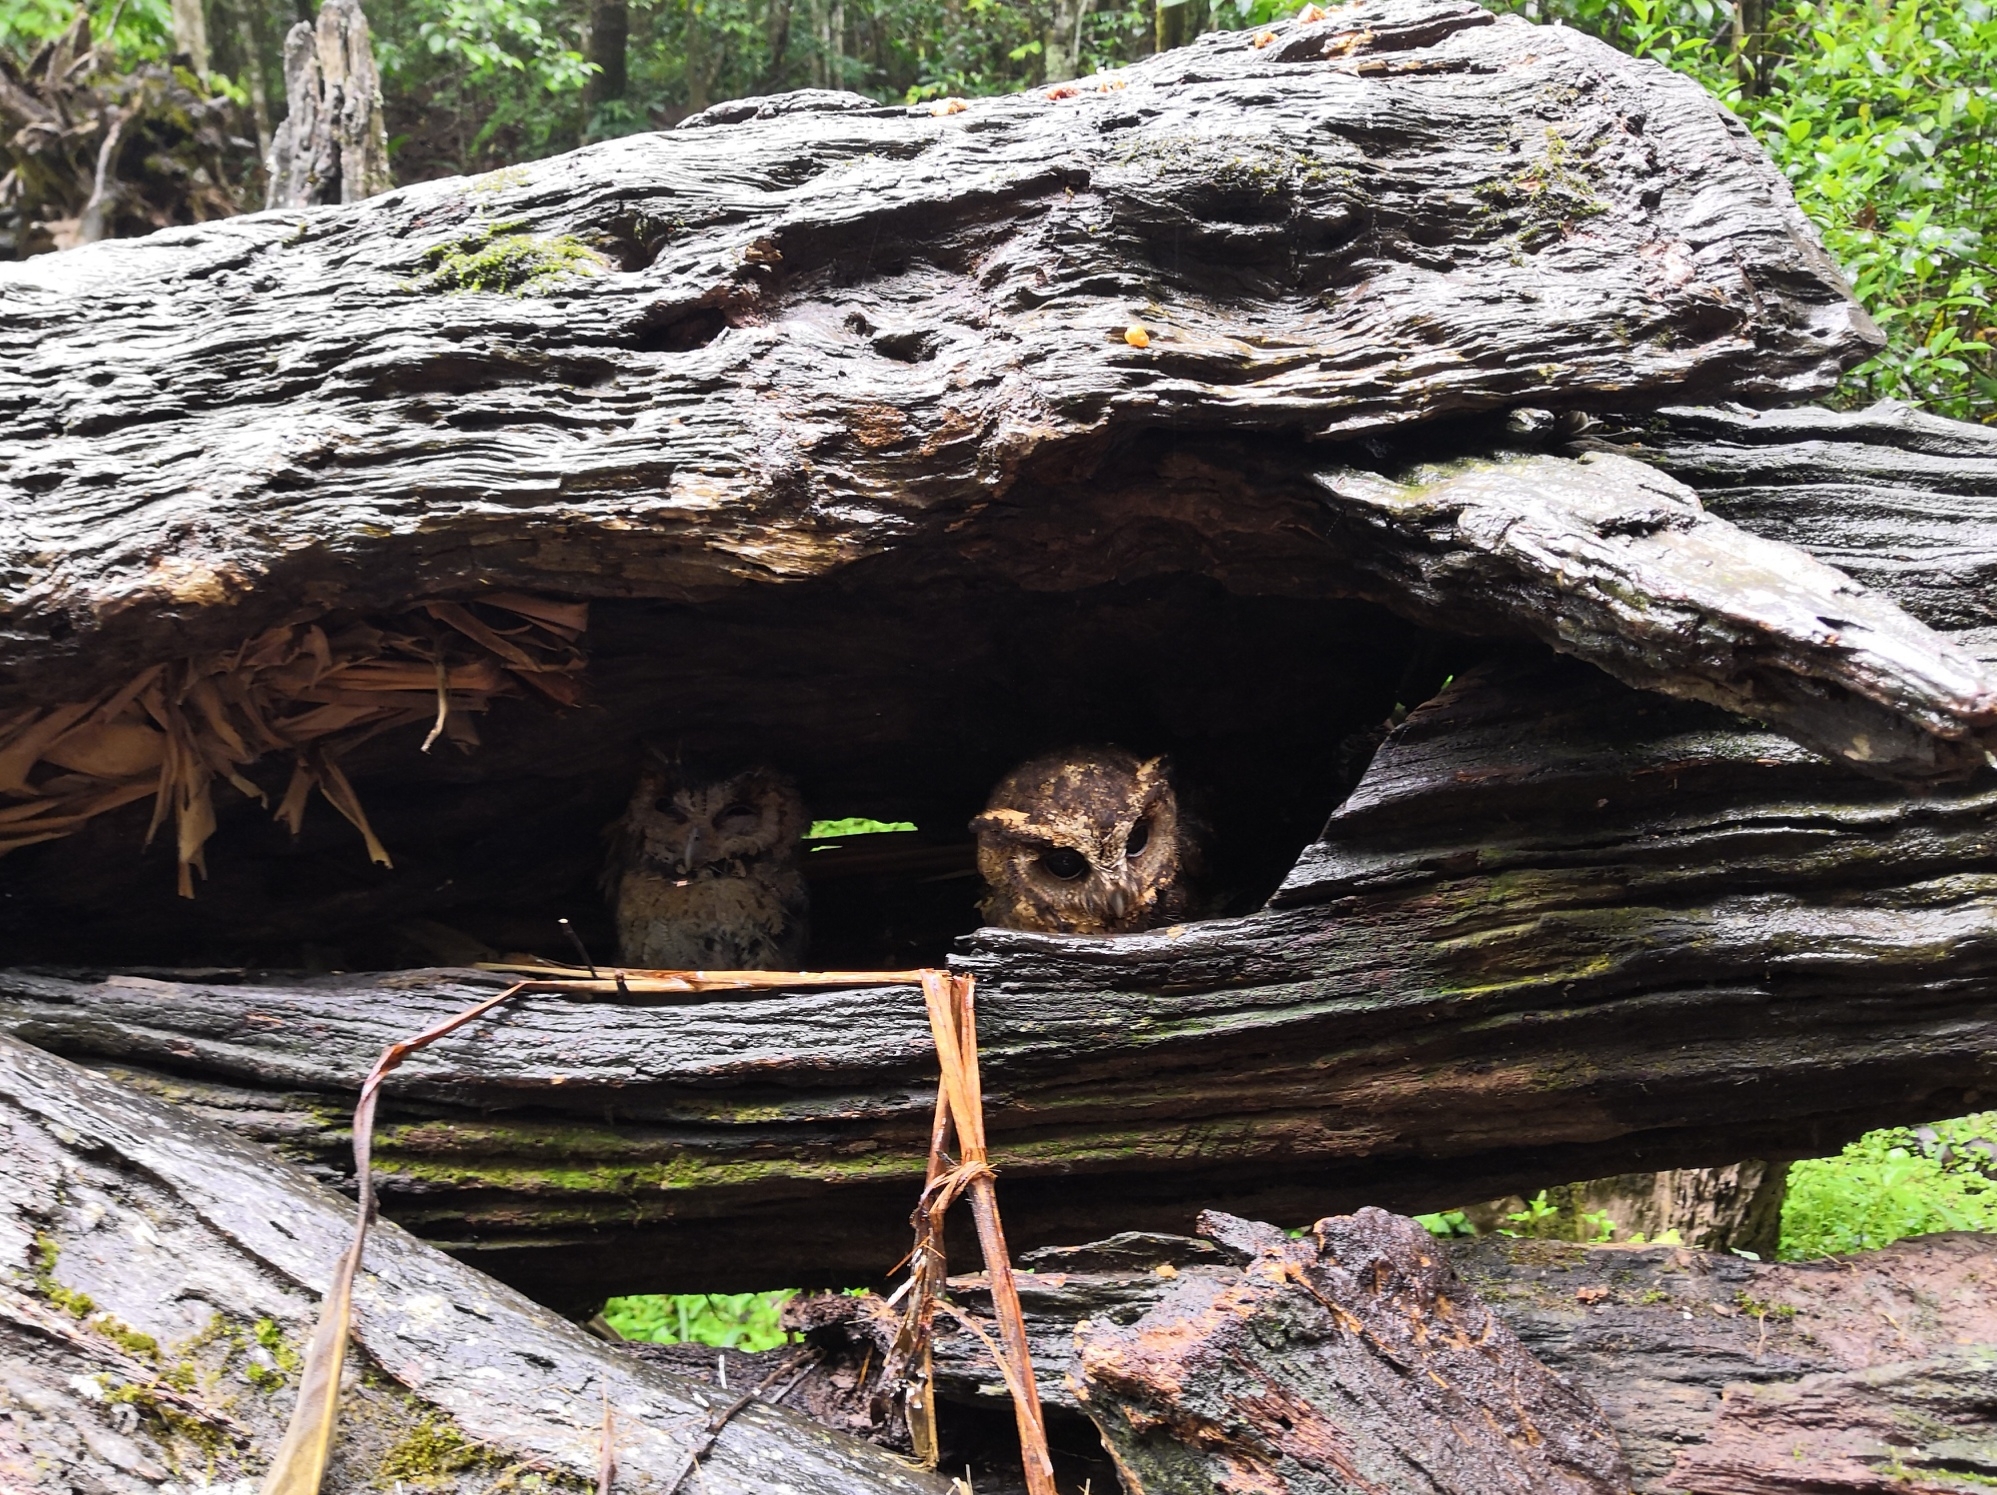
x=706, y=873
x=1088, y=841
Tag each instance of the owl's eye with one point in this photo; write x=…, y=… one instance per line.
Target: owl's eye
x=670, y=810
x=737, y=813
x=1065, y=864
x=1139, y=838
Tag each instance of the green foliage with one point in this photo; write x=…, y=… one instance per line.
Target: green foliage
x=826, y=830
x=1894, y=1183
x=1448, y=1223
x=142, y=30
x=1883, y=115
x=736, y=1321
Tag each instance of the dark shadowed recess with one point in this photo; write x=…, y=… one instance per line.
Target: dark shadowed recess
x=890, y=699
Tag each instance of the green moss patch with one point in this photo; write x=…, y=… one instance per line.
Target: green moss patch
x=428, y=1454
x=510, y=264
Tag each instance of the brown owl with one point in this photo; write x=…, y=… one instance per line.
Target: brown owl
x=706, y=874
x=1088, y=841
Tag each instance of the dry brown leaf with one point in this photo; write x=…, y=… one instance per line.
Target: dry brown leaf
x=340, y=794
x=296, y=688
x=116, y=749
x=570, y=618
x=25, y=750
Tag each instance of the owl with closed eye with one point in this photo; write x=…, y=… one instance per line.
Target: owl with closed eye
x=1088, y=841
x=706, y=872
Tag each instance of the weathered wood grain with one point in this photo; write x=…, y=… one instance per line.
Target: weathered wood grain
x=822, y=329
x=1562, y=930
x=1721, y=1376
x=174, y=1270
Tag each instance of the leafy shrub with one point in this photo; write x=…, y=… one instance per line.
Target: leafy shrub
x=734, y=1321
x=1883, y=115
x=1894, y=1183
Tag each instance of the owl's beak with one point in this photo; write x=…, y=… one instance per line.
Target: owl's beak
x=1118, y=901
x=690, y=858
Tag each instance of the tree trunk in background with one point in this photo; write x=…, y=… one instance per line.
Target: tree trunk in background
x=773, y=76
x=190, y=32
x=1750, y=36
x=606, y=45
x=1063, y=46
x=332, y=147
x=1737, y=1207
x=699, y=71
x=1179, y=23
x=249, y=41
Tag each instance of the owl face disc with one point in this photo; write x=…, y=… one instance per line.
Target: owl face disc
x=1082, y=842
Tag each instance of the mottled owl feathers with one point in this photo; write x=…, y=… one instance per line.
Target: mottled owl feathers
x=1087, y=841
x=706, y=873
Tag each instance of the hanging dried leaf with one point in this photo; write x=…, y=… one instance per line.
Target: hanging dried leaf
x=295, y=689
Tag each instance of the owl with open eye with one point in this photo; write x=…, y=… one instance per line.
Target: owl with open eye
x=1088, y=841
x=706, y=873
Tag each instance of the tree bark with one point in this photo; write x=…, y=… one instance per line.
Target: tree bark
x=1733, y=1208
x=190, y=33
x=249, y=41
x=1061, y=47
x=607, y=43
x=1560, y=931
x=1719, y=1375
x=166, y=1274
x=1351, y=1360
x=1284, y=263
x=332, y=146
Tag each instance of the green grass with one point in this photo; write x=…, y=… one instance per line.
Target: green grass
x=734, y=1321
x=1891, y=1184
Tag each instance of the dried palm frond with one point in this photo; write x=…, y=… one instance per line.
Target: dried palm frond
x=297, y=689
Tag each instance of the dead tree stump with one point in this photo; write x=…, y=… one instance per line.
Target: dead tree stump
x=332, y=146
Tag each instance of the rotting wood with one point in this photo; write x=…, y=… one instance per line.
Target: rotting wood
x=331, y=146
x=1352, y=1361
x=143, y=1248
x=822, y=329
x=1720, y=1376
x=1562, y=930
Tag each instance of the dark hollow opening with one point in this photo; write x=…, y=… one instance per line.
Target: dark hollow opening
x=897, y=703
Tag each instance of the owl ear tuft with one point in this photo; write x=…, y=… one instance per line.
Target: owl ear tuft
x=1000, y=820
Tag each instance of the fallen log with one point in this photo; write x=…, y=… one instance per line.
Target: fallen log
x=1560, y=931
x=163, y=1276
x=1718, y=1375
x=1351, y=1360
x=886, y=358
x=817, y=329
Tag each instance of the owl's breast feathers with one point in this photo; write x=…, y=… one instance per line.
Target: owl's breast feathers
x=713, y=922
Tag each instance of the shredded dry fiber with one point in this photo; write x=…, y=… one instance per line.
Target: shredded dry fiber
x=295, y=689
